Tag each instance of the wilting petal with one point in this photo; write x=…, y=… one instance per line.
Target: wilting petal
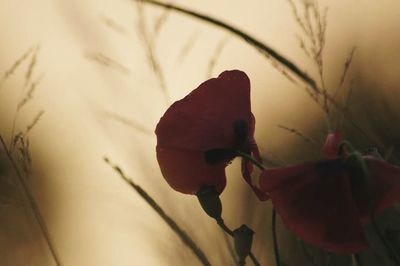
x=332, y=143
x=188, y=172
x=204, y=119
x=315, y=202
x=247, y=166
x=247, y=169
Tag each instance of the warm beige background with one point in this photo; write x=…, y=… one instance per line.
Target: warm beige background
x=94, y=218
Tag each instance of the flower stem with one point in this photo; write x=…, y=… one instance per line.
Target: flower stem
x=391, y=253
x=357, y=259
x=167, y=219
x=306, y=254
x=250, y=158
x=275, y=238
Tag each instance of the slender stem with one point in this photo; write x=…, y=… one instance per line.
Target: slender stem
x=167, y=219
x=275, y=238
x=345, y=145
x=254, y=259
x=391, y=253
x=225, y=228
x=306, y=253
x=34, y=206
x=357, y=259
x=250, y=158
x=231, y=250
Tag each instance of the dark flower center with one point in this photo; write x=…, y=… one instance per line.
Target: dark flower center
x=240, y=131
x=329, y=168
x=333, y=168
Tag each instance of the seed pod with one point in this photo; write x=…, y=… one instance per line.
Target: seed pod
x=210, y=202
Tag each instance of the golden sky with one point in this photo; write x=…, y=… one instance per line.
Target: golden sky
x=94, y=72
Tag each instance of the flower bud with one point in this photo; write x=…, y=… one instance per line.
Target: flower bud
x=243, y=237
x=332, y=143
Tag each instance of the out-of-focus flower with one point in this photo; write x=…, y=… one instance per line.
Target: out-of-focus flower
x=200, y=135
x=332, y=143
x=326, y=203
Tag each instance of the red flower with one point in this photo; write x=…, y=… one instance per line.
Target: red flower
x=325, y=204
x=199, y=135
x=332, y=143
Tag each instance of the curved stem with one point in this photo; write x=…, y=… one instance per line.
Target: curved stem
x=308, y=256
x=357, y=259
x=275, y=239
x=345, y=145
x=226, y=229
x=250, y=158
x=254, y=259
x=391, y=253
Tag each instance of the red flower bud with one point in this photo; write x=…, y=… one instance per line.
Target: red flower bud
x=332, y=143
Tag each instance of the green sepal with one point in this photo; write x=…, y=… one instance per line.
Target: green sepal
x=243, y=237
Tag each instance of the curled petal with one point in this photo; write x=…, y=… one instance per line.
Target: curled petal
x=247, y=169
x=384, y=185
x=204, y=119
x=315, y=202
x=247, y=166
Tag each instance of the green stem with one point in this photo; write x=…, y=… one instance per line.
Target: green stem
x=275, y=238
x=391, y=253
x=345, y=144
x=306, y=254
x=357, y=259
x=250, y=158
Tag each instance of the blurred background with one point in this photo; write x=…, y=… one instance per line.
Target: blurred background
x=86, y=79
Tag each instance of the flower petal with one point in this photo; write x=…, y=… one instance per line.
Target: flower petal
x=315, y=202
x=188, y=171
x=385, y=187
x=247, y=166
x=247, y=169
x=204, y=119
